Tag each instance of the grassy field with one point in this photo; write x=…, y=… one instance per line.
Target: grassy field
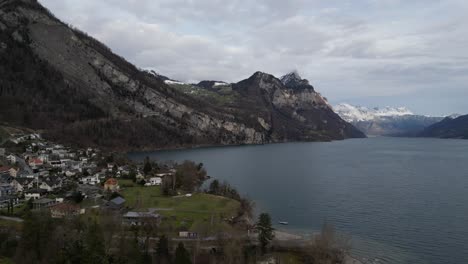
x=224, y=95
x=181, y=213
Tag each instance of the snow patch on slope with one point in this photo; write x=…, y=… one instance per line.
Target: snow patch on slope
x=173, y=82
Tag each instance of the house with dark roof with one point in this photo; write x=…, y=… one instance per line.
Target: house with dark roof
x=34, y=194
x=116, y=203
x=43, y=203
x=23, y=184
x=141, y=218
x=50, y=184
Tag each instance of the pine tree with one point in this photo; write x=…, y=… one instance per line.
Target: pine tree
x=265, y=229
x=147, y=168
x=162, y=250
x=182, y=256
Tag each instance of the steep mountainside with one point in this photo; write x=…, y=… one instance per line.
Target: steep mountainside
x=386, y=121
x=75, y=89
x=448, y=128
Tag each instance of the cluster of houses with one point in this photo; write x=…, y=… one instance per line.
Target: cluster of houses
x=46, y=170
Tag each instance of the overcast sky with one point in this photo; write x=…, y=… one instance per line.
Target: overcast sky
x=369, y=52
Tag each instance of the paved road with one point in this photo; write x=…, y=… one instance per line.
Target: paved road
x=14, y=219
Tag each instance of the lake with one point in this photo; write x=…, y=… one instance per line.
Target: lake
x=402, y=200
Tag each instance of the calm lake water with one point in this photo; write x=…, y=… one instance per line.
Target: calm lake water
x=402, y=200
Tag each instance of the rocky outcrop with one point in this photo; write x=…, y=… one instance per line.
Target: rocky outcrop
x=73, y=85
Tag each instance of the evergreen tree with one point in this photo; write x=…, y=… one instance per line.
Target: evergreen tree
x=265, y=231
x=147, y=168
x=182, y=256
x=214, y=187
x=162, y=250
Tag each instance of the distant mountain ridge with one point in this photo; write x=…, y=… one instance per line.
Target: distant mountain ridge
x=448, y=128
x=387, y=121
x=75, y=89
x=353, y=113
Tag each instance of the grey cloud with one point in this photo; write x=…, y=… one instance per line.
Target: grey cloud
x=348, y=49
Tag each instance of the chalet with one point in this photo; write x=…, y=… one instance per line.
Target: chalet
x=111, y=185
x=34, y=194
x=90, y=180
x=186, y=234
x=14, y=172
x=55, y=163
x=43, y=203
x=89, y=191
x=50, y=184
x=154, y=181
x=23, y=184
x=12, y=158
x=141, y=218
x=35, y=162
x=116, y=203
x=5, y=170
x=64, y=210
x=44, y=158
x=70, y=173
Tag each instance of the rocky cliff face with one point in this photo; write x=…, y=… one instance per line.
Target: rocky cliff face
x=74, y=88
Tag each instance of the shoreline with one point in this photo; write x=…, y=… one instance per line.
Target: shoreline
x=288, y=238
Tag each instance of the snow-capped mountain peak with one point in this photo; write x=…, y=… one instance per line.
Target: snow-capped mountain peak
x=353, y=113
x=291, y=77
x=293, y=80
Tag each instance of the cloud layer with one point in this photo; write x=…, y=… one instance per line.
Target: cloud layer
x=371, y=52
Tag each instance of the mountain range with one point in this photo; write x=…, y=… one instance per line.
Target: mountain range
x=387, y=121
x=74, y=89
x=450, y=127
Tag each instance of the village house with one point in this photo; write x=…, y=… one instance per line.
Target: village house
x=154, y=181
x=43, y=203
x=50, y=184
x=64, y=210
x=23, y=184
x=90, y=180
x=34, y=194
x=186, y=234
x=116, y=203
x=12, y=158
x=55, y=163
x=13, y=172
x=111, y=185
x=35, y=162
x=141, y=218
x=5, y=170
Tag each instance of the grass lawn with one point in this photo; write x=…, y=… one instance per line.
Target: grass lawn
x=18, y=211
x=182, y=213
